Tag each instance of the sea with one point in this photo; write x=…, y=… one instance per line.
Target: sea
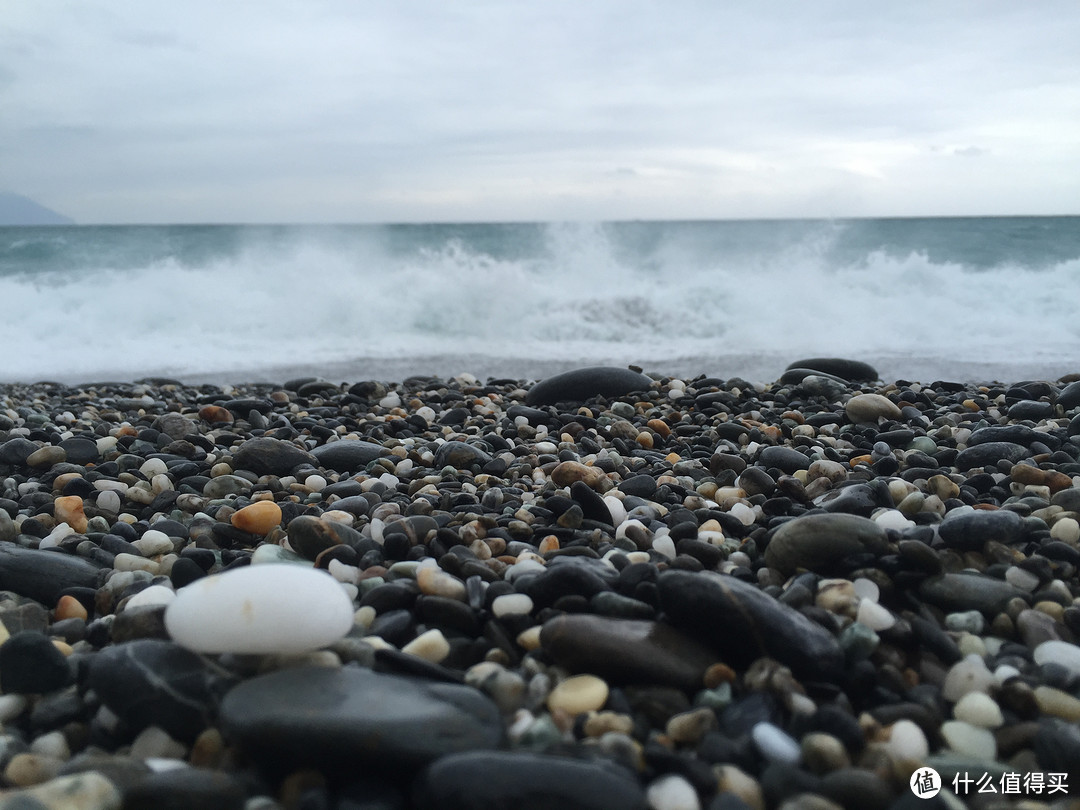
x=964, y=299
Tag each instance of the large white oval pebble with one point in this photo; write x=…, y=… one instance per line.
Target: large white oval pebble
x=260, y=609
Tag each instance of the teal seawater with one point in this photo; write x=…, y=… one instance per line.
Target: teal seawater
x=80, y=301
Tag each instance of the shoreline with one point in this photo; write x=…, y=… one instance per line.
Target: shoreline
x=756, y=367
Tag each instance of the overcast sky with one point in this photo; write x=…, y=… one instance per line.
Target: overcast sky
x=306, y=111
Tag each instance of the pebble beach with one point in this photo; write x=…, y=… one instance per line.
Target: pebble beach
x=600, y=589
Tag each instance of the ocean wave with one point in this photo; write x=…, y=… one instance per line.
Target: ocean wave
x=259, y=297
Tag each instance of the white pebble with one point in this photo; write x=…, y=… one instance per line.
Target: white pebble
x=774, y=744
x=152, y=467
x=153, y=542
x=893, y=519
x=867, y=589
x=1067, y=530
x=874, y=615
x=1059, y=652
x=1019, y=578
x=968, y=675
x=316, y=483
x=907, y=742
x=616, y=508
x=511, y=604
x=745, y=514
x=431, y=646
x=152, y=597
x=133, y=562
x=663, y=544
x=979, y=709
x=972, y=741
x=108, y=501
x=672, y=792
x=260, y=609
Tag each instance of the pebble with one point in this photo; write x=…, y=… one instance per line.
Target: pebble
x=969, y=740
x=978, y=709
x=257, y=518
x=1061, y=653
x=578, y=694
x=871, y=408
x=582, y=384
x=477, y=780
x=774, y=744
x=260, y=609
x=672, y=792
x=626, y=650
x=337, y=720
x=965, y=676
x=822, y=542
x=742, y=623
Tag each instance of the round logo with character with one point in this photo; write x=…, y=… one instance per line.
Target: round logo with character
x=925, y=783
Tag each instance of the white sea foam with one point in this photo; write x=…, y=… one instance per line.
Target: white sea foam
x=312, y=297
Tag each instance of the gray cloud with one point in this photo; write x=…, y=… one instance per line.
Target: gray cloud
x=123, y=111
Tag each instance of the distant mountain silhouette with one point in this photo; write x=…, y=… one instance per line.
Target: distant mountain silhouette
x=16, y=209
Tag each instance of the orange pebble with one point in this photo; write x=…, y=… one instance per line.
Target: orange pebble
x=549, y=543
x=68, y=607
x=673, y=458
x=645, y=439
x=855, y=462
x=257, y=518
x=69, y=509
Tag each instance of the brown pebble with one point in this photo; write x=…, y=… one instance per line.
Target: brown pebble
x=215, y=414
x=68, y=607
x=69, y=509
x=257, y=518
x=208, y=750
x=718, y=674
x=660, y=426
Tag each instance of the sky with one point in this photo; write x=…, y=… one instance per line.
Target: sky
x=124, y=111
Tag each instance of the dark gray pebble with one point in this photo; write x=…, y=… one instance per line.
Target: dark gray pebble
x=266, y=456
x=348, y=455
x=852, y=370
x=157, y=683
x=743, y=623
x=627, y=651
x=968, y=591
x=339, y=720
x=820, y=542
x=971, y=531
x=497, y=780
x=44, y=575
x=583, y=384
x=30, y=663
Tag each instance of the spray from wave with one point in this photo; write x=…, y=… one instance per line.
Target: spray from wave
x=189, y=300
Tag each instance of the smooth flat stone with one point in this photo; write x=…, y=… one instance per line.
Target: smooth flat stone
x=260, y=609
x=44, y=575
x=968, y=591
x=348, y=455
x=743, y=623
x=585, y=383
x=971, y=531
x=851, y=370
x=820, y=542
x=265, y=456
x=626, y=651
x=350, y=718
x=150, y=682
x=493, y=780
